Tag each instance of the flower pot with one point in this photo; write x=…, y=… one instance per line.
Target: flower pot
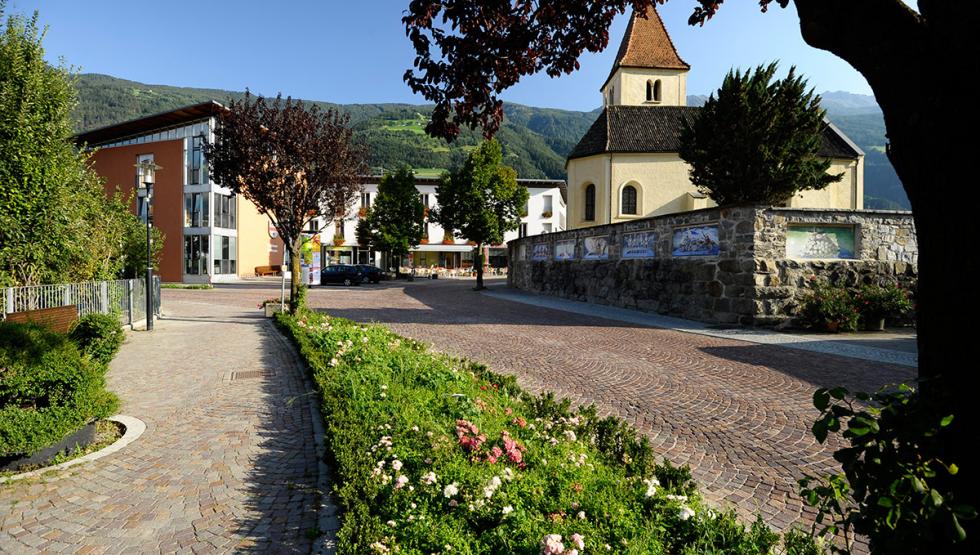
x=832, y=327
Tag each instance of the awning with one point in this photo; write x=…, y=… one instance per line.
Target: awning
x=443, y=248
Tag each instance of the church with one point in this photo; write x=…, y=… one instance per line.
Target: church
x=627, y=165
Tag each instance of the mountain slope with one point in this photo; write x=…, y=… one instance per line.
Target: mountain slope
x=535, y=140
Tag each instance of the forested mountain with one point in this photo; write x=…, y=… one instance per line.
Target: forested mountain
x=535, y=140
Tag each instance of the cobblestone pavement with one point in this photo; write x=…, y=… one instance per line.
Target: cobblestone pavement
x=227, y=463
x=737, y=412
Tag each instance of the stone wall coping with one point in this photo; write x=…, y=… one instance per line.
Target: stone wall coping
x=870, y=212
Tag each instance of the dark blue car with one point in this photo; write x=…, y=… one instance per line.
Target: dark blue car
x=341, y=273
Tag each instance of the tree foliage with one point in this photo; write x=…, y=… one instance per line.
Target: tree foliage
x=758, y=140
x=481, y=200
x=395, y=222
x=56, y=224
x=292, y=161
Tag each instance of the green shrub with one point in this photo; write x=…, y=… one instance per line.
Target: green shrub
x=829, y=307
x=47, y=389
x=895, y=488
x=434, y=451
x=875, y=302
x=98, y=336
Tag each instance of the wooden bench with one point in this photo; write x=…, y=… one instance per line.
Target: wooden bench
x=267, y=270
x=59, y=319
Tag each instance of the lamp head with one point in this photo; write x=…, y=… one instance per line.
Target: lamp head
x=148, y=170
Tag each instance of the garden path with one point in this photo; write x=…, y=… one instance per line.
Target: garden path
x=227, y=463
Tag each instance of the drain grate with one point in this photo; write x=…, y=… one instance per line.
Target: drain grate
x=250, y=374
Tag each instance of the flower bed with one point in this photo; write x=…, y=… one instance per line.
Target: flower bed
x=439, y=455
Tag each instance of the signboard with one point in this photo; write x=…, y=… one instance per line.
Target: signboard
x=273, y=232
x=539, y=252
x=565, y=250
x=640, y=245
x=595, y=248
x=820, y=242
x=696, y=241
x=311, y=260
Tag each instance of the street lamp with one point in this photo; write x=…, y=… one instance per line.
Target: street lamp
x=146, y=176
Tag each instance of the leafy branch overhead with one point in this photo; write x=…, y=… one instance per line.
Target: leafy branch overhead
x=469, y=51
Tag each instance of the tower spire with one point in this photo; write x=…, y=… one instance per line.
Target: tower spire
x=647, y=45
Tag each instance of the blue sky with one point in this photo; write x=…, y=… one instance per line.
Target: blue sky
x=356, y=52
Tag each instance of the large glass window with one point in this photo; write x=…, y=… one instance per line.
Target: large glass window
x=547, y=206
x=629, y=199
x=196, y=254
x=197, y=171
x=225, y=211
x=590, y=202
x=225, y=255
x=196, y=209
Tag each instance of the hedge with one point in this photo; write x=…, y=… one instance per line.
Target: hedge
x=48, y=389
x=439, y=455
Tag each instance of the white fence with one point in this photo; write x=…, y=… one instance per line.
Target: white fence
x=126, y=297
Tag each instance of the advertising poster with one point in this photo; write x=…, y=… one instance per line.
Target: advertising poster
x=565, y=250
x=596, y=248
x=820, y=242
x=696, y=241
x=640, y=245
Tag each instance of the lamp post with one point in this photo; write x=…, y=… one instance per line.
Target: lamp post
x=146, y=176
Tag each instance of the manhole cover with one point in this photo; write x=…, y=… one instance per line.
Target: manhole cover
x=249, y=374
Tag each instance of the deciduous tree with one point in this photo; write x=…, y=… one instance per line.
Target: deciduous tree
x=480, y=201
x=292, y=161
x=758, y=141
x=395, y=222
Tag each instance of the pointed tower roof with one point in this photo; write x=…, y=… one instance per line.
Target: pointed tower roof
x=646, y=44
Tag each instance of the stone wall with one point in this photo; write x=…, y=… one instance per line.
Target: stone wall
x=746, y=278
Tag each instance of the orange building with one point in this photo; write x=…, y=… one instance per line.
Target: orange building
x=211, y=234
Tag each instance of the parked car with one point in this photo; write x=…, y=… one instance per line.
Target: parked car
x=370, y=273
x=341, y=273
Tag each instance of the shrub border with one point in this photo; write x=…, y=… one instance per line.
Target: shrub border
x=134, y=429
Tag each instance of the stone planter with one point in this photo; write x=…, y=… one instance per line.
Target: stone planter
x=874, y=324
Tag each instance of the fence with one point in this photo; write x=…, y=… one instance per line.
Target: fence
x=126, y=297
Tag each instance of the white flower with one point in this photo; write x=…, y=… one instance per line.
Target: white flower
x=364, y=339
x=415, y=428
x=391, y=523
x=581, y=515
x=333, y=362
x=384, y=387
x=450, y=490
x=507, y=510
x=681, y=498
x=578, y=540
x=570, y=435
x=508, y=474
x=429, y=478
x=652, y=484
x=396, y=464
x=383, y=395
x=381, y=464
x=495, y=482
x=401, y=481
x=686, y=513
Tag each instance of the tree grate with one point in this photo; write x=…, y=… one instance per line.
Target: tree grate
x=250, y=374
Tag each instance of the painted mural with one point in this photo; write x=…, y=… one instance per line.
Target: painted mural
x=696, y=241
x=539, y=252
x=820, y=242
x=565, y=250
x=639, y=245
x=596, y=248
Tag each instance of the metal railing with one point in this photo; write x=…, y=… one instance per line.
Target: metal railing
x=125, y=297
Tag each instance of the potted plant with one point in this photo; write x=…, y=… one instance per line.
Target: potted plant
x=362, y=212
x=424, y=241
x=448, y=240
x=829, y=307
x=546, y=214
x=271, y=307
x=877, y=303
x=338, y=240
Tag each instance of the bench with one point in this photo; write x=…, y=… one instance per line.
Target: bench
x=59, y=319
x=267, y=270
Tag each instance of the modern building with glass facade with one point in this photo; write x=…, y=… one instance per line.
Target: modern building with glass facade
x=211, y=235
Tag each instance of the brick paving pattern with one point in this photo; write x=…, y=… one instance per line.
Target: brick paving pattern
x=738, y=413
x=224, y=465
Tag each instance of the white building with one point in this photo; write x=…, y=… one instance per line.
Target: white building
x=545, y=213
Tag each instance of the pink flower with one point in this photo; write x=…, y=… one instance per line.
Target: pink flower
x=551, y=545
x=578, y=540
x=519, y=422
x=494, y=454
x=401, y=481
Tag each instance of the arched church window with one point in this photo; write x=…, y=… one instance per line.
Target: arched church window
x=590, y=202
x=656, y=90
x=629, y=200
x=649, y=90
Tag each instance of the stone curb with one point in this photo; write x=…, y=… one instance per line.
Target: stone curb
x=134, y=429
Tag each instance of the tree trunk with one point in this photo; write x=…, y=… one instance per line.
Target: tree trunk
x=296, y=273
x=478, y=264
x=931, y=128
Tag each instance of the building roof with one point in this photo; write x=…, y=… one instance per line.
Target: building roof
x=142, y=126
x=640, y=129
x=647, y=44
x=529, y=183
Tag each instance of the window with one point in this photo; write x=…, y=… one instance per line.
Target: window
x=546, y=213
x=226, y=255
x=197, y=171
x=196, y=254
x=225, y=211
x=365, y=200
x=590, y=202
x=425, y=200
x=628, y=200
x=313, y=226
x=522, y=232
x=425, y=231
x=653, y=90
x=196, y=209
x=338, y=229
